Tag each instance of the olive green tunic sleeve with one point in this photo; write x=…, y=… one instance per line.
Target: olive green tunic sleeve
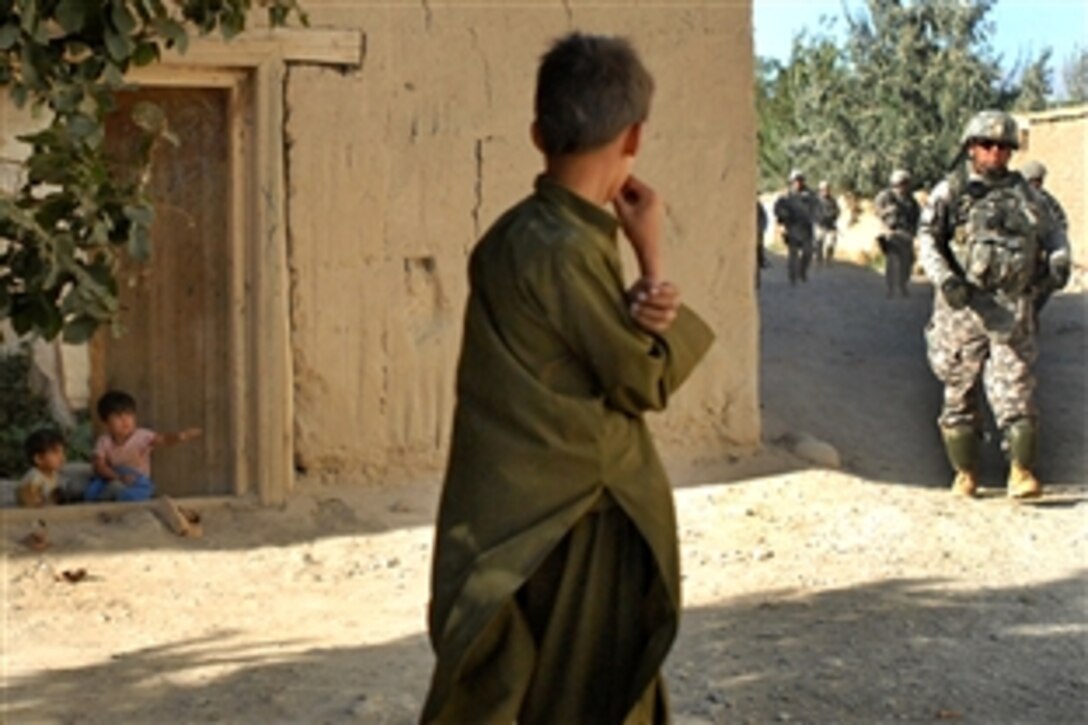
x=635, y=370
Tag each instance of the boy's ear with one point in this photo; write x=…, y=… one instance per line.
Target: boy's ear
x=534, y=132
x=632, y=139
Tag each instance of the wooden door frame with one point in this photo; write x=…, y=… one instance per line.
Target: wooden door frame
x=253, y=67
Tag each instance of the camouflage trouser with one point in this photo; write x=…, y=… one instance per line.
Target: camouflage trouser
x=800, y=256
x=898, y=261
x=825, y=243
x=966, y=359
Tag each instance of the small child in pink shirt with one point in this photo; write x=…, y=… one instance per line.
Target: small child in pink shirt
x=122, y=456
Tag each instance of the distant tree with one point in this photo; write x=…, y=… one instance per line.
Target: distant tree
x=1036, y=85
x=776, y=123
x=896, y=93
x=1075, y=76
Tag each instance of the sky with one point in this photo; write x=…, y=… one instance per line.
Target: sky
x=1021, y=27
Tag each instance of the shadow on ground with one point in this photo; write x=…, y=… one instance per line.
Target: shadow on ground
x=312, y=513
x=909, y=650
x=843, y=363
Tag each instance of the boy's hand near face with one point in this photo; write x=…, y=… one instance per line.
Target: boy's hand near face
x=641, y=211
x=654, y=306
x=654, y=302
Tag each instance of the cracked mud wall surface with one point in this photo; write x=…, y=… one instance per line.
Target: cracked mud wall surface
x=397, y=167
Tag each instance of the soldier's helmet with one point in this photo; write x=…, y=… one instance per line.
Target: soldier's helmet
x=796, y=174
x=899, y=176
x=1033, y=171
x=992, y=126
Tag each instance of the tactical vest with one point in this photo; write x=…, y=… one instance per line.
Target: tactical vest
x=997, y=228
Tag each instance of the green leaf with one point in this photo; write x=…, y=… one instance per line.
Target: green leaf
x=100, y=272
x=232, y=24
x=140, y=214
x=122, y=18
x=100, y=233
x=119, y=46
x=36, y=312
x=66, y=98
x=174, y=33
x=54, y=208
x=71, y=14
x=82, y=127
x=29, y=59
x=146, y=54
x=49, y=168
x=30, y=16
x=90, y=68
x=9, y=34
x=80, y=329
x=113, y=76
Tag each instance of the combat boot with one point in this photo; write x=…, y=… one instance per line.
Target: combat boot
x=961, y=446
x=1021, y=441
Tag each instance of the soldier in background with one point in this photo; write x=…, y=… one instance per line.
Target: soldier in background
x=981, y=233
x=827, y=224
x=898, y=212
x=761, y=230
x=1035, y=173
x=796, y=212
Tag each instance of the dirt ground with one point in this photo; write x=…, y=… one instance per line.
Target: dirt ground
x=862, y=595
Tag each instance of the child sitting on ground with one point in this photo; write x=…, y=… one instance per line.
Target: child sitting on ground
x=122, y=456
x=41, y=485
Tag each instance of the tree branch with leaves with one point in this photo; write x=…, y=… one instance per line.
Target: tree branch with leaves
x=77, y=211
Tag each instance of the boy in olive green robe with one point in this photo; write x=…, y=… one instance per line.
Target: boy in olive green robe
x=555, y=588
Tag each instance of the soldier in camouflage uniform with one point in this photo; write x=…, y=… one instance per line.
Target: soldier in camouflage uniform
x=827, y=224
x=796, y=211
x=898, y=212
x=982, y=234
x=1035, y=173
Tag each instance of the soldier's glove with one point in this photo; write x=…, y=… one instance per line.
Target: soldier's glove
x=1060, y=269
x=956, y=292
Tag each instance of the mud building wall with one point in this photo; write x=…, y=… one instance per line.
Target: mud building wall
x=394, y=171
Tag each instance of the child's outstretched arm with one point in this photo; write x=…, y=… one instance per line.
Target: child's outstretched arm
x=170, y=439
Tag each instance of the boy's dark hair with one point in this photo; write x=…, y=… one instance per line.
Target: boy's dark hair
x=114, y=402
x=41, y=441
x=589, y=88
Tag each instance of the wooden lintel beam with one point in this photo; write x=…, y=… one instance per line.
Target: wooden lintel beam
x=317, y=46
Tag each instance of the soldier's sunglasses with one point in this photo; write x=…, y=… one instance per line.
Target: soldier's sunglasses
x=990, y=145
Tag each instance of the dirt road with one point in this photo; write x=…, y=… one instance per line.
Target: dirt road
x=867, y=595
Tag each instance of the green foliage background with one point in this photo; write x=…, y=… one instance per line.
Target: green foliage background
x=896, y=93
x=21, y=413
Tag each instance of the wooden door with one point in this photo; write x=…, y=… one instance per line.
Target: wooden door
x=174, y=354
